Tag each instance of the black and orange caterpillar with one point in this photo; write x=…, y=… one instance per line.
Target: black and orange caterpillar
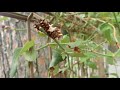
x=53, y=32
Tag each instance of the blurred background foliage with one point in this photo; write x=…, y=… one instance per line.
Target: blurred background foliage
x=90, y=45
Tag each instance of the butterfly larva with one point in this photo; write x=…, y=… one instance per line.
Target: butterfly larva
x=53, y=32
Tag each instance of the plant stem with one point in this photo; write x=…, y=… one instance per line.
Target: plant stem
x=29, y=38
x=60, y=46
x=116, y=21
x=42, y=47
x=114, y=29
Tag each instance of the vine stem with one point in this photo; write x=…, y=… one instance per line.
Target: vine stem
x=114, y=30
x=61, y=46
x=64, y=52
x=29, y=38
x=116, y=21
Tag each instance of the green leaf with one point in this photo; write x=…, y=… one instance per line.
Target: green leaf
x=59, y=50
x=78, y=43
x=52, y=45
x=43, y=46
x=82, y=15
x=90, y=54
x=74, y=54
x=107, y=34
x=27, y=46
x=68, y=50
x=56, y=58
x=82, y=46
x=117, y=54
x=104, y=26
x=31, y=55
x=74, y=44
x=68, y=24
x=56, y=69
x=17, y=53
x=110, y=61
x=91, y=14
x=92, y=65
x=14, y=65
x=109, y=53
x=93, y=45
x=41, y=34
x=61, y=14
x=65, y=39
x=84, y=59
x=104, y=15
x=106, y=30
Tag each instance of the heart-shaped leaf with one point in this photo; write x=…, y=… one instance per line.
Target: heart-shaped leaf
x=27, y=46
x=56, y=58
x=31, y=55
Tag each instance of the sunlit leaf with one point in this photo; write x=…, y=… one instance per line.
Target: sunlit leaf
x=27, y=46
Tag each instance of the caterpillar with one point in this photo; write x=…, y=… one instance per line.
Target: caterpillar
x=53, y=32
